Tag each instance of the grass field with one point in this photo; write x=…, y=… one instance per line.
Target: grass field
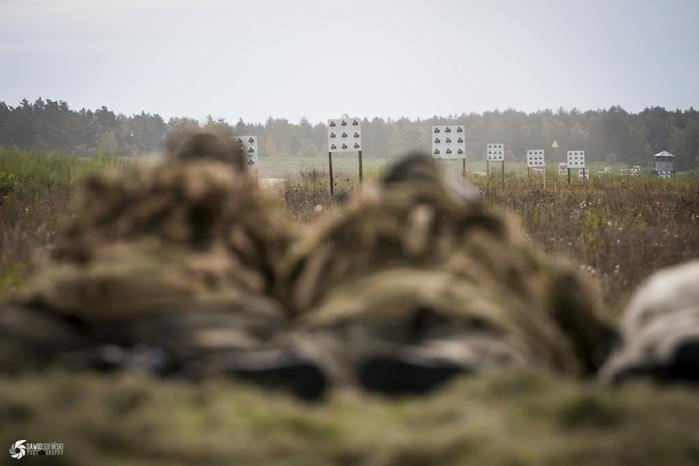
x=347, y=164
x=516, y=418
x=618, y=230
x=35, y=194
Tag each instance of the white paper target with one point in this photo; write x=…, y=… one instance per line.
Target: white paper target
x=344, y=135
x=448, y=142
x=495, y=152
x=576, y=159
x=535, y=158
x=249, y=146
x=562, y=168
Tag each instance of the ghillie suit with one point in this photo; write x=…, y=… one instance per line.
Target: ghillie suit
x=660, y=330
x=414, y=282
x=160, y=265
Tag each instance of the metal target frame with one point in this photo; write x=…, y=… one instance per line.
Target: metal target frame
x=449, y=143
x=575, y=159
x=344, y=135
x=536, y=159
x=495, y=152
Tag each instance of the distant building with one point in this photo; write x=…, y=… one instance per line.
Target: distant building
x=664, y=163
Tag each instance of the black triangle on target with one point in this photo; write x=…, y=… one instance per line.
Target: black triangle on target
x=344, y=146
x=437, y=140
x=332, y=124
x=344, y=123
x=436, y=130
x=251, y=140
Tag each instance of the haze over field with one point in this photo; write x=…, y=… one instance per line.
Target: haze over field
x=251, y=59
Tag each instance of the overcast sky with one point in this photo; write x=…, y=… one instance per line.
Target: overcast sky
x=320, y=59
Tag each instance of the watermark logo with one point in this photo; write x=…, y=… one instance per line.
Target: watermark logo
x=18, y=450
x=22, y=448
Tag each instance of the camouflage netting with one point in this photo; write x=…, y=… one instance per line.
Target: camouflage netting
x=413, y=247
x=145, y=237
x=187, y=268
x=160, y=265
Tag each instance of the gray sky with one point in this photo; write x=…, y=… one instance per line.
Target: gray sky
x=320, y=59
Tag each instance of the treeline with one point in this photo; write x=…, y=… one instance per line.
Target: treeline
x=608, y=135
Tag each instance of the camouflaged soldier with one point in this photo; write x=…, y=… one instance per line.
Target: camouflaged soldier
x=160, y=266
x=414, y=282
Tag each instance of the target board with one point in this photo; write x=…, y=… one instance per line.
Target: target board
x=344, y=135
x=495, y=153
x=576, y=159
x=448, y=142
x=535, y=158
x=249, y=146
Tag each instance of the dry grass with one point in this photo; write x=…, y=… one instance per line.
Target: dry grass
x=515, y=418
x=619, y=230
x=35, y=194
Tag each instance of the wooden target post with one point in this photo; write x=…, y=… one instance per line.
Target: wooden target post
x=502, y=174
x=344, y=135
x=543, y=176
x=330, y=174
x=361, y=174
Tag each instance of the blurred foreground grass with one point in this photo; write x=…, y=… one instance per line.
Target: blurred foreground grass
x=515, y=418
